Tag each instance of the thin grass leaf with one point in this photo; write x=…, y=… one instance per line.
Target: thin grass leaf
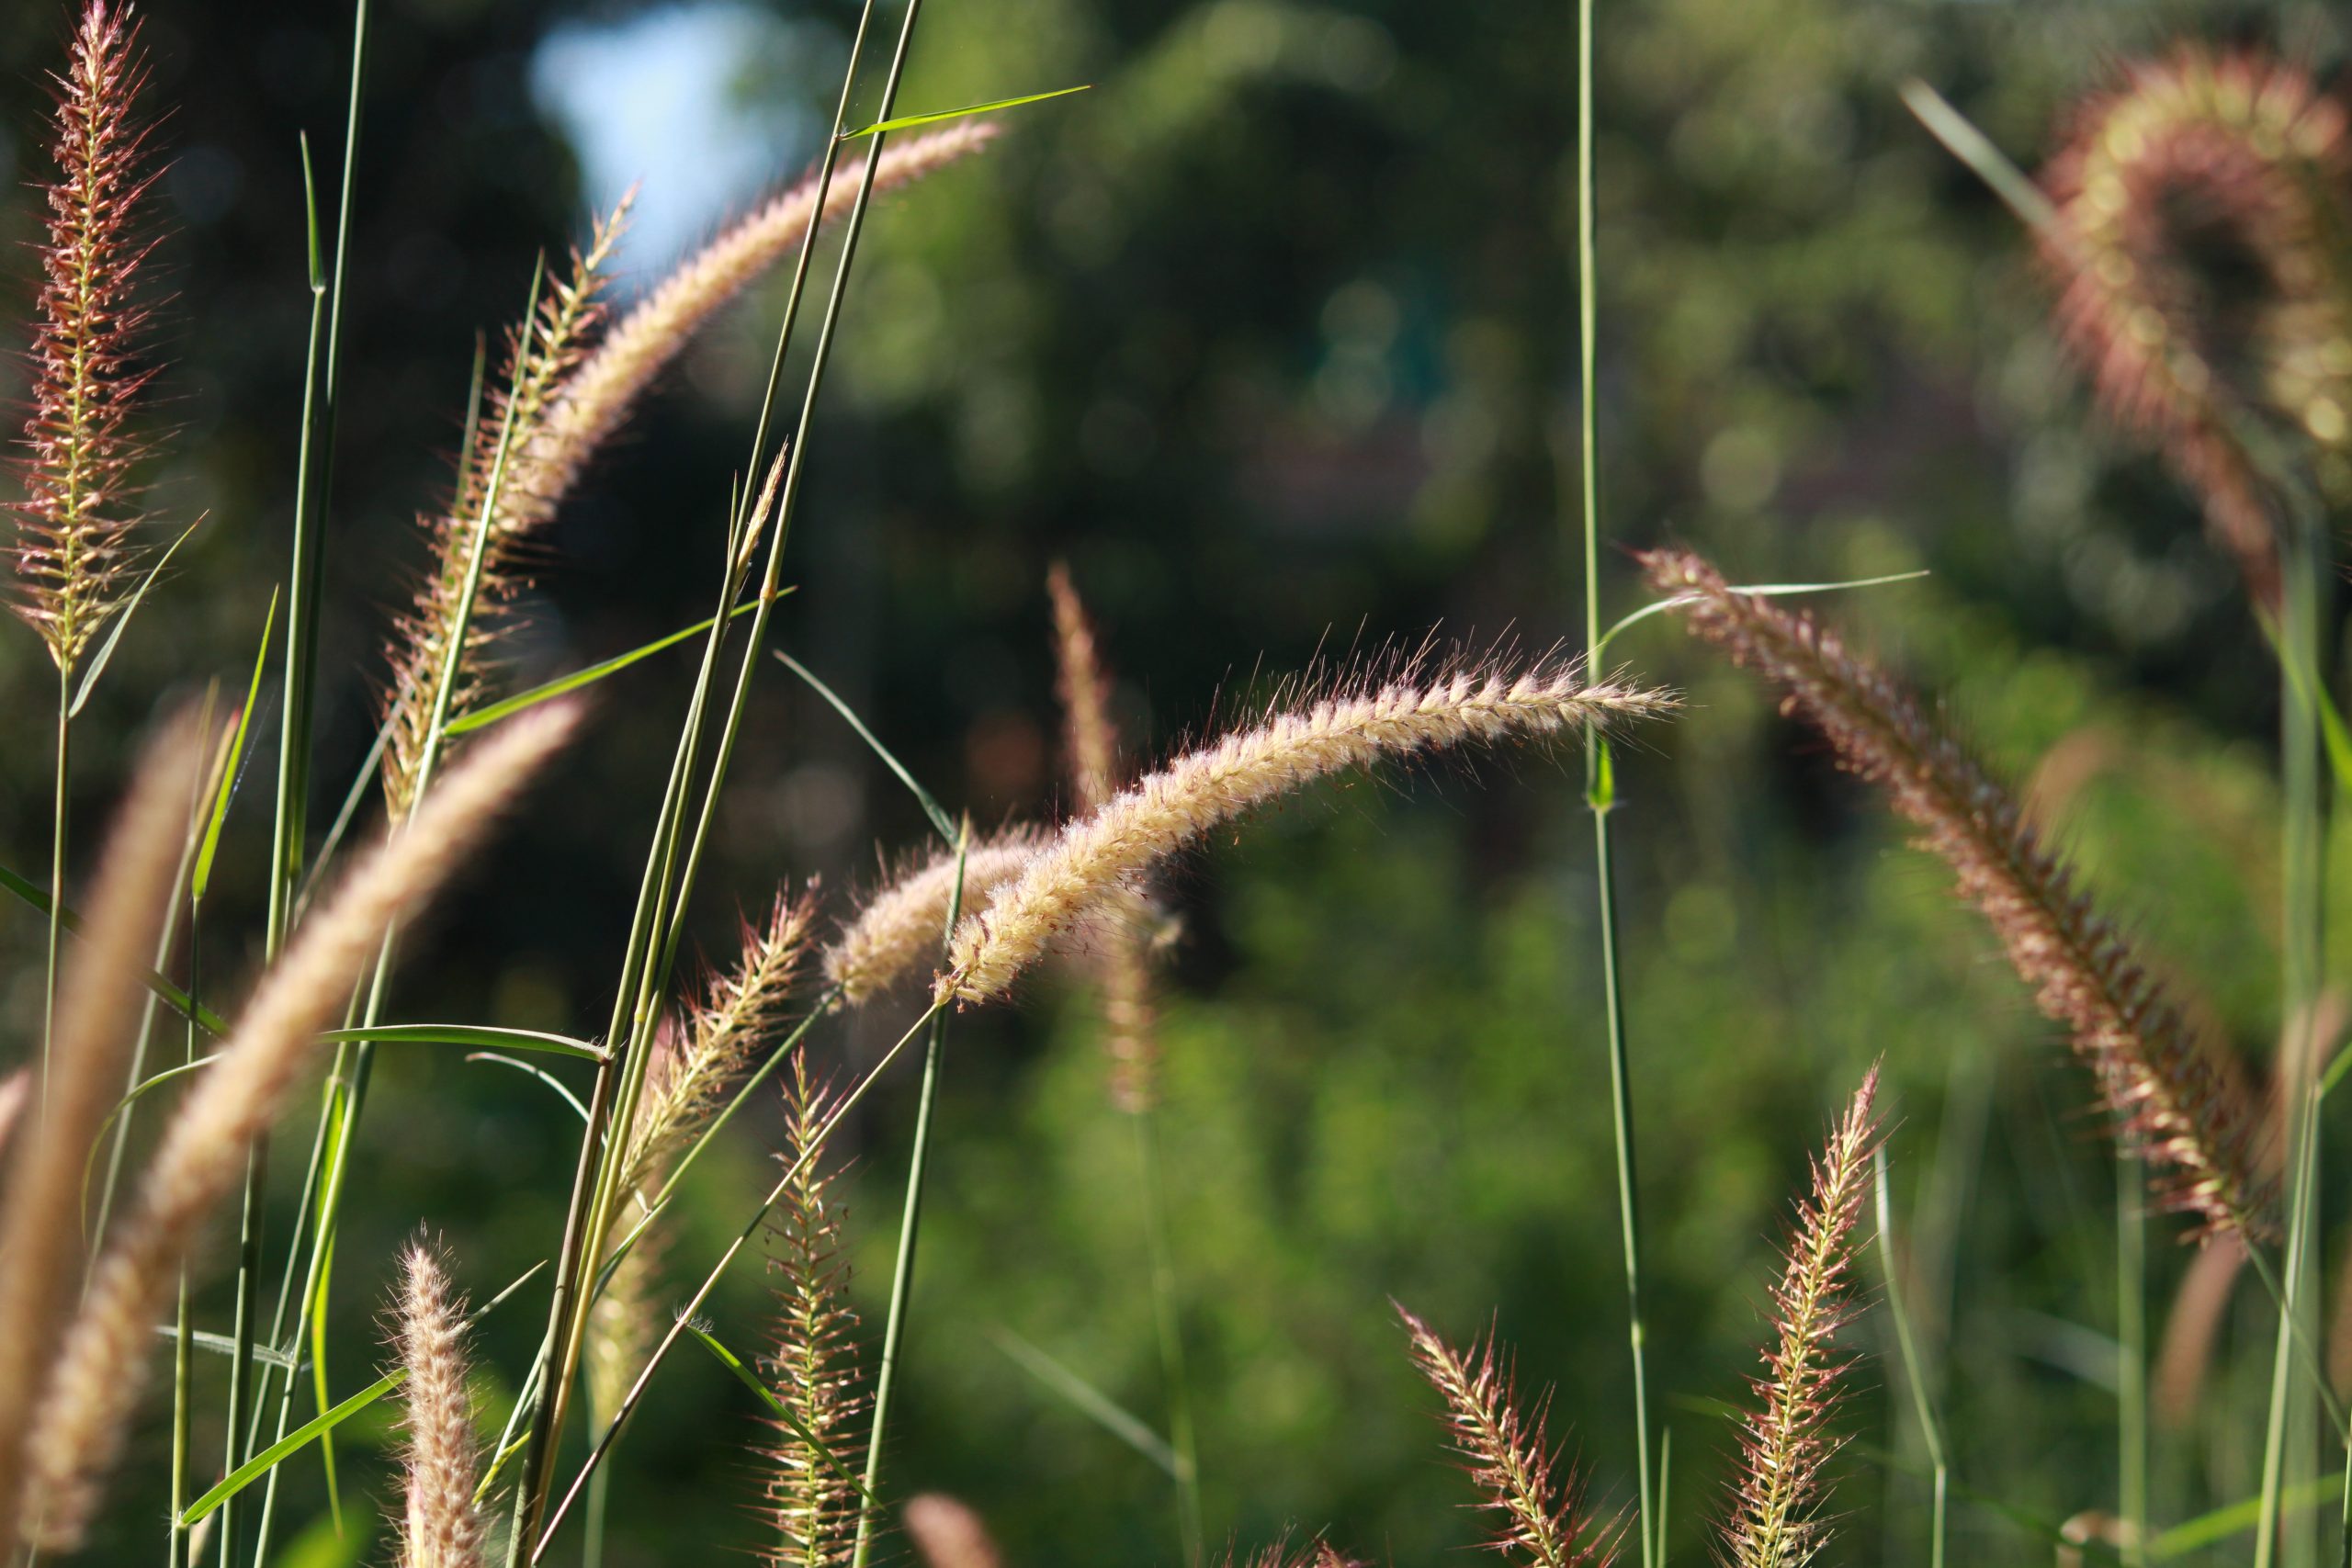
x=97, y=1143
x=1974, y=148
x=467, y=1034
x=777, y=1407
x=2236, y=1519
x=221, y=1345
x=294, y=1442
x=909, y=122
x=1087, y=1400
x=350, y=808
x=170, y=995
x=939, y=818
x=483, y=718
x=498, y=1462
x=1762, y=591
x=540, y=1073
x=233, y=774
x=122, y=622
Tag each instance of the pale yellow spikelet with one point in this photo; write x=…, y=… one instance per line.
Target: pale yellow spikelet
x=624, y=1323
x=440, y=1461
x=899, y=930
x=40, y=1227
x=15, y=1090
x=641, y=343
x=947, y=1534
x=1084, y=684
x=79, y=1424
x=1101, y=854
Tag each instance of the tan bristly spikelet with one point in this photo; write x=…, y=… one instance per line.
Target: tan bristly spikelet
x=949, y=1535
x=440, y=1458
x=609, y=382
x=15, y=1090
x=1101, y=854
x=1092, y=738
x=899, y=930
x=625, y=1323
x=41, y=1218
x=1540, y=1514
x=1775, y=1521
x=1316, y=1554
x=79, y=1424
x=2176, y=1103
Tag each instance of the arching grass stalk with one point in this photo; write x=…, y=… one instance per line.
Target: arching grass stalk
x=1600, y=789
x=1932, y=1429
x=903, y=1270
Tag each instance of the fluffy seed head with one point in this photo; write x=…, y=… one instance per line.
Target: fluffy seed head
x=440, y=1461
x=2176, y=1103
x=899, y=929
x=75, y=524
x=2248, y=143
x=1102, y=854
x=1540, y=1513
x=1775, y=1519
x=78, y=1426
x=949, y=1535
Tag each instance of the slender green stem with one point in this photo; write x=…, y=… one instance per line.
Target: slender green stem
x=2132, y=1337
x=57, y=836
x=1166, y=1306
x=240, y=1366
x=1915, y=1369
x=177, y=1555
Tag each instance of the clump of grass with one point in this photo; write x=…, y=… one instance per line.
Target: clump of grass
x=1775, y=1521
x=2175, y=1103
x=440, y=1459
x=1100, y=856
x=1538, y=1505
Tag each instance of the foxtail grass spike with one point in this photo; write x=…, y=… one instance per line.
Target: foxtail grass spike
x=2177, y=1105
x=1538, y=1506
x=1100, y=856
x=41, y=1215
x=811, y=1504
x=2251, y=142
x=1776, y=1519
x=542, y=355
x=76, y=555
x=440, y=1458
x=1317, y=1554
x=80, y=1423
x=896, y=933
x=597, y=399
x=948, y=1534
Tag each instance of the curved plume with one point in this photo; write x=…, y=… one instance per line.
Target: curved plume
x=440, y=1459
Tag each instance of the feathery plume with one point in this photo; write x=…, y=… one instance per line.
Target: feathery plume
x=490, y=514
x=947, y=1534
x=2176, y=1104
x=40, y=1227
x=73, y=550
x=898, y=930
x=599, y=396
x=694, y=1064
x=1104, y=853
x=1786, y=1444
x=1506, y=1453
x=77, y=1427
x=14, y=1090
x=2257, y=146
x=1123, y=969
x=810, y=1500
x=440, y=1461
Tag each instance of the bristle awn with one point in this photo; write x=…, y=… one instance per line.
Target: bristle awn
x=41, y=1233
x=841, y=1108
x=1931, y=1431
x=593, y=1187
x=902, y=1269
x=1600, y=785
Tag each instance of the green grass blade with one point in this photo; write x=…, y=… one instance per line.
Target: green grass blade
x=939, y=818
x=97, y=1141
x=294, y=1442
x=171, y=996
x=909, y=122
x=1974, y=148
x=2236, y=1519
x=350, y=808
x=1087, y=1400
x=542, y=1074
x=1762, y=591
x=122, y=621
x=482, y=717
x=229, y=775
x=467, y=1034
x=221, y=1345
x=782, y=1410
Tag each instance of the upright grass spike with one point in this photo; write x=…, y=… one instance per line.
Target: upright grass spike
x=812, y=1503
x=1461, y=702
x=40, y=1221
x=94, y=1383
x=2252, y=143
x=2176, y=1102
x=948, y=1534
x=440, y=1459
x=1775, y=1521
x=1540, y=1513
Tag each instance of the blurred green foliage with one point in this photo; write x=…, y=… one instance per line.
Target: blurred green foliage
x=1272, y=334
